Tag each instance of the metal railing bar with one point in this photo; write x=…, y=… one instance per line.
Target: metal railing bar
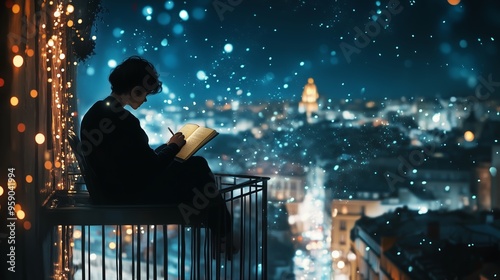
x=245, y=194
x=103, y=252
x=239, y=186
x=138, y=252
x=120, y=251
x=165, y=254
x=147, y=252
x=243, y=176
x=83, y=252
x=133, y=254
x=182, y=252
x=155, y=238
x=264, y=230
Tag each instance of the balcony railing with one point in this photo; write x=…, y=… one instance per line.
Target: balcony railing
x=153, y=242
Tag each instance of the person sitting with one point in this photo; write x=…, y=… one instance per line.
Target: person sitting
x=129, y=171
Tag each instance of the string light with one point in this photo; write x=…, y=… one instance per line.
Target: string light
x=18, y=61
x=21, y=127
x=16, y=8
x=40, y=138
x=14, y=101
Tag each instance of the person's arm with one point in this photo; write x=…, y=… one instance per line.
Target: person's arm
x=167, y=151
x=173, y=146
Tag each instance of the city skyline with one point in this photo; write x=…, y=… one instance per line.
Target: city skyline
x=258, y=51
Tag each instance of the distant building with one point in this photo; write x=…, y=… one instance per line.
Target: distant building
x=309, y=103
x=345, y=213
x=495, y=178
x=437, y=245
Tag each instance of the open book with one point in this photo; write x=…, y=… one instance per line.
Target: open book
x=196, y=137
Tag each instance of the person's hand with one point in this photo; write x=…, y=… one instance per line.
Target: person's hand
x=178, y=139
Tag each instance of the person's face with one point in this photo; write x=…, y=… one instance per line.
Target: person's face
x=137, y=98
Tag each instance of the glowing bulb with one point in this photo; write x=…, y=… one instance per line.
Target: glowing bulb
x=57, y=13
x=20, y=214
x=48, y=165
x=112, y=245
x=27, y=225
x=18, y=61
x=70, y=8
x=14, y=101
x=62, y=56
x=21, y=127
x=16, y=8
x=40, y=138
x=469, y=136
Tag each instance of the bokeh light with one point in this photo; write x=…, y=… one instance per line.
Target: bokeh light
x=164, y=18
x=40, y=138
x=48, y=165
x=469, y=136
x=18, y=61
x=16, y=8
x=118, y=32
x=21, y=127
x=228, y=48
x=33, y=93
x=147, y=11
x=15, y=49
x=183, y=14
x=29, y=179
x=198, y=13
x=14, y=101
x=178, y=29
x=91, y=71
x=2, y=82
x=20, y=214
x=27, y=225
x=201, y=75
x=169, y=5
x=454, y=2
x=112, y=63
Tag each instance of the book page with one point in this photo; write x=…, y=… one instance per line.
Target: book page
x=196, y=140
x=188, y=129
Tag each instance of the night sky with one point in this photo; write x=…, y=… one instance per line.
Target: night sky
x=260, y=50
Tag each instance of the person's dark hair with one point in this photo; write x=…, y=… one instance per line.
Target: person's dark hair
x=132, y=72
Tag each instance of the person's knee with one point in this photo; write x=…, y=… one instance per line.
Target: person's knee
x=197, y=160
x=198, y=163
